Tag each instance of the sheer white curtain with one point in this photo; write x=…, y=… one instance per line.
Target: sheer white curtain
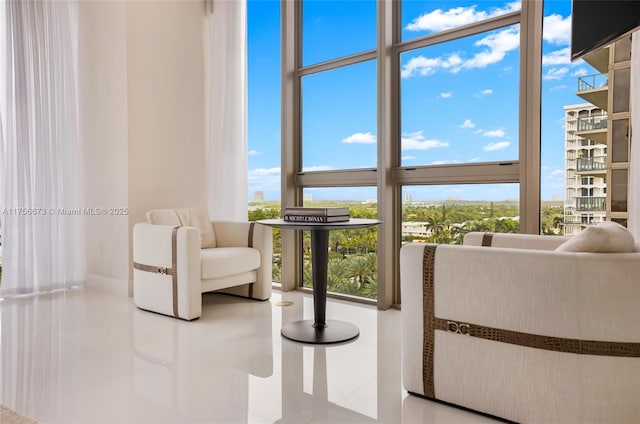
x=226, y=108
x=634, y=165
x=39, y=178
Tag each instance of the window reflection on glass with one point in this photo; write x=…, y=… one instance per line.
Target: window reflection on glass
x=339, y=118
x=445, y=213
x=459, y=100
x=353, y=262
x=424, y=17
x=619, y=190
x=332, y=29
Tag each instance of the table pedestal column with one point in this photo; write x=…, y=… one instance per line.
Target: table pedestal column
x=320, y=330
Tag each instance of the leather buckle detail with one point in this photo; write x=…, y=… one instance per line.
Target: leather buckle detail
x=458, y=328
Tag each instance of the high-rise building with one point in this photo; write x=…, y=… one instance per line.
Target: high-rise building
x=258, y=196
x=585, y=167
x=597, y=141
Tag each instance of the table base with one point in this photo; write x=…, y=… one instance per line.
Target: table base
x=334, y=332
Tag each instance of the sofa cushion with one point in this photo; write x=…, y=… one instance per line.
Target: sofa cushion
x=224, y=261
x=605, y=237
x=186, y=217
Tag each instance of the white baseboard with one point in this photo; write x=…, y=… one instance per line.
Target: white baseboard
x=109, y=284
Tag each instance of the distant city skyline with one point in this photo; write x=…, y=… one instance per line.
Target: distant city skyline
x=458, y=102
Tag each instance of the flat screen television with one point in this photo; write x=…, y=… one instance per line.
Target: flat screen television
x=597, y=23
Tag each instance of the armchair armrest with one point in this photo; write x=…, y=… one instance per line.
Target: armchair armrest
x=174, y=287
x=250, y=234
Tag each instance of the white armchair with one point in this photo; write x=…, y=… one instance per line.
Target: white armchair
x=172, y=268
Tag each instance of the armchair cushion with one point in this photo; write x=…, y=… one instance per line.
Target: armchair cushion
x=186, y=217
x=225, y=261
x=606, y=237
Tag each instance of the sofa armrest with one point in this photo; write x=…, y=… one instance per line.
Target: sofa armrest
x=152, y=246
x=515, y=240
x=569, y=295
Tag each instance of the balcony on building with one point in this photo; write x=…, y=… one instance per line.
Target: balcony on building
x=596, y=166
x=594, y=89
x=591, y=204
x=593, y=128
x=599, y=59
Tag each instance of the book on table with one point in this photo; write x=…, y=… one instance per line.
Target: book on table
x=316, y=211
x=321, y=219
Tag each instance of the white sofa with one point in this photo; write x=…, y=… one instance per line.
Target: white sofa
x=523, y=332
x=171, y=270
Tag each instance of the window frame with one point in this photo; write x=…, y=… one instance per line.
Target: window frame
x=389, y=176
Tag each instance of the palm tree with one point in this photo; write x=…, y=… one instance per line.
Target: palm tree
x=481, y=226
x=434, y=225
x=370, y=290
x=338, y=277
x=458, y=231
x=362, y=267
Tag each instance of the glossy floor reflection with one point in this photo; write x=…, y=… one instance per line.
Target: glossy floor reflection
x=87, y=356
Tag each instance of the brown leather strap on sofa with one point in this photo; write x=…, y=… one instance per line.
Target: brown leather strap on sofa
x=173, y=271
x=487, y=239
x=431, y=323
x=250, y=244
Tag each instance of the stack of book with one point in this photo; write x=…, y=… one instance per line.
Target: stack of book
x=319, y=215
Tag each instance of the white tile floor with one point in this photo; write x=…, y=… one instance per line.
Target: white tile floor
x=87, y=356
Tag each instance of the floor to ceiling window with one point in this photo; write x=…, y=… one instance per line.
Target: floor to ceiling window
x=425, y=111
x=263, y=51
x=337, y=120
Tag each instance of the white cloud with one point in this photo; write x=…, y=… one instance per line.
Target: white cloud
x=361, y=138
x=476, y=159
x=485, y=92
x=423, y=66
x=556, y=73
x=580, y=73
x=556, y=29
x=409, y=157
x=557, y=172
x=478, y=131
x=264, y=179
x=557, y=57
x=416, y=141
x=496, y=146
x=558, y=87
x=446, y=95
x=441, y=162
x=253, y=153
x=494, y=133
x=496, y=46
x=467, y=124
x=440, y=20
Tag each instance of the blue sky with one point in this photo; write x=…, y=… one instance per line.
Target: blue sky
x=458, y=100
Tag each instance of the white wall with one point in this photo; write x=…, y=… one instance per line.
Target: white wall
x=103, y=121
x=142, y=120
